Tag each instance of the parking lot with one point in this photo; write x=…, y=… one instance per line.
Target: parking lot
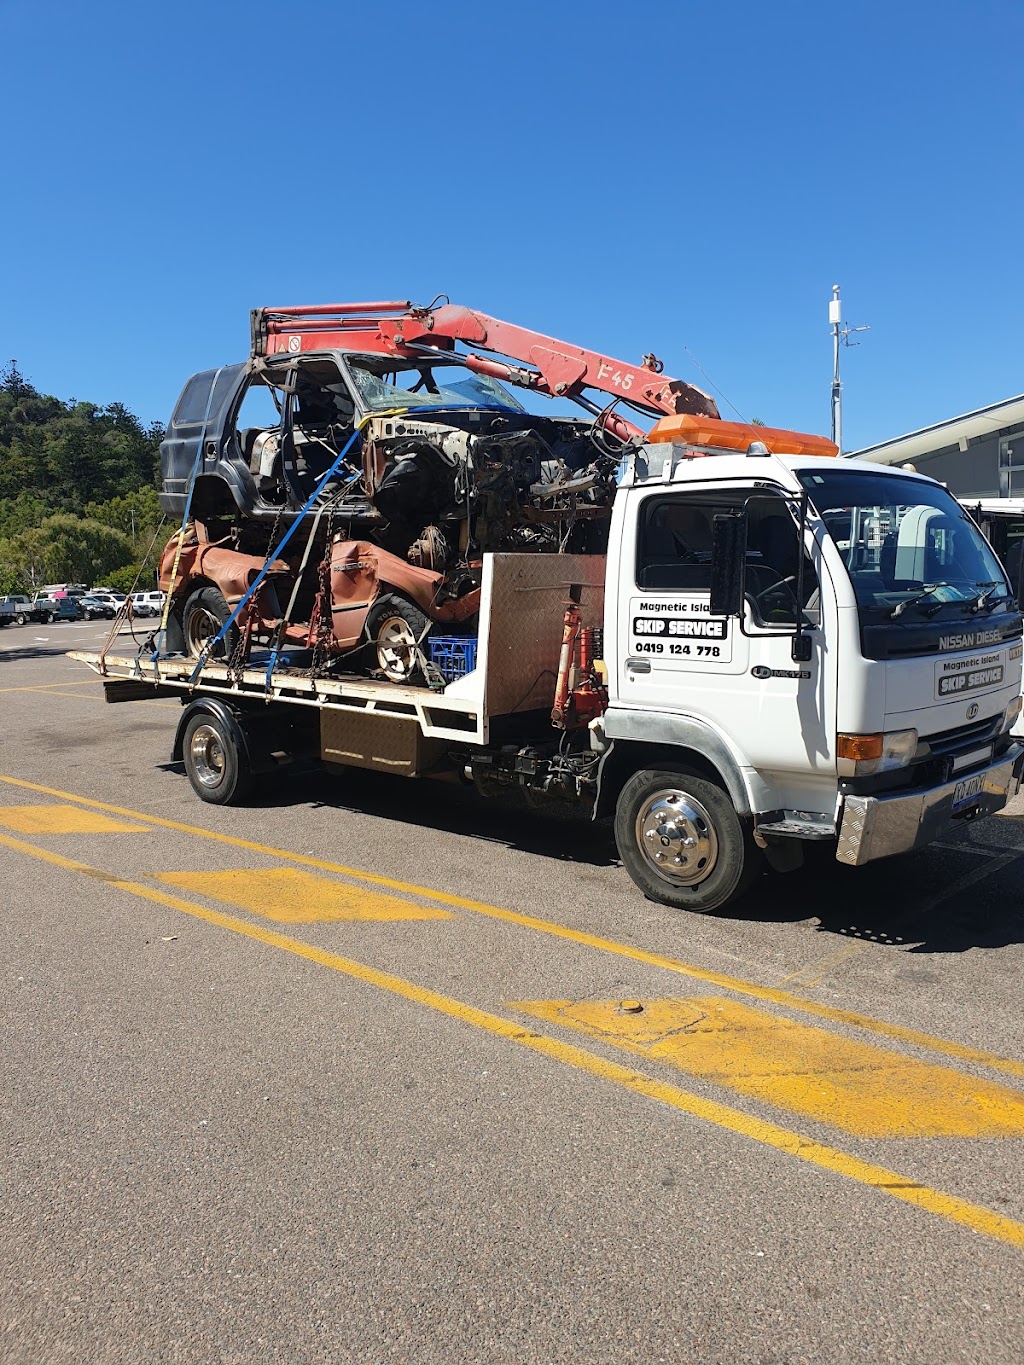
x=372, y=1070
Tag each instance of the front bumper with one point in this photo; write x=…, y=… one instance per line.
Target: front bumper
x=879, y=826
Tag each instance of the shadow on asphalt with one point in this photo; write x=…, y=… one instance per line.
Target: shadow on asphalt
x=23, y=646
x=937, y=900
x=49, y=649
x=558, y=831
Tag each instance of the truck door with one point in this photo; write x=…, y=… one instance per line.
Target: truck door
x=735, y=672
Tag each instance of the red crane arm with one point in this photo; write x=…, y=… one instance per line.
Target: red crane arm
x=557, y=369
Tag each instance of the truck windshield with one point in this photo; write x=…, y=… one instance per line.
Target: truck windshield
x=420, y=388
x=909, y=547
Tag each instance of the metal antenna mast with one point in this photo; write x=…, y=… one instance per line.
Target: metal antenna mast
x=839, y=333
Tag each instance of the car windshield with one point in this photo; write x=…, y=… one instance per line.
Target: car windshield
x=425, y=386
x=909, y=547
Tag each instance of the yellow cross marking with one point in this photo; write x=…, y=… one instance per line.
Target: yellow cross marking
x=293, y=897
x=857, y=1087
x=63, y=820
x=880, y=1178
x=772, y=994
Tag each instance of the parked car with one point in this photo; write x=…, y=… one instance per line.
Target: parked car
x=63, y=590
x=147, y=603
x=8, y=613
x=25, y=610
x=116, y=599
x=58, y=609
x=94, y=607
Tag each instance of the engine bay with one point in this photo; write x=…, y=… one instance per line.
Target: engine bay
x=446, y=467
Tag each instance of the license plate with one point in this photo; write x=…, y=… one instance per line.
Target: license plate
x=967, y=791
x=971, y=759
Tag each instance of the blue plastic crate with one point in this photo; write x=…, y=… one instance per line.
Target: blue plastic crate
x=454, y=655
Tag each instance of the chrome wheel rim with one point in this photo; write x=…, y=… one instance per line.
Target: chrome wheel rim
x=207, y=756
x=676, y=837
x=202, y=627
x=396, y=648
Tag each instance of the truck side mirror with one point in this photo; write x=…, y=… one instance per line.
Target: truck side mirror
x=728, y=557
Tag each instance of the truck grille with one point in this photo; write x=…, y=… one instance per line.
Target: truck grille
x=949, y=741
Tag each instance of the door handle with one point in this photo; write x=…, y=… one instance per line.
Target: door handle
x=638, y=665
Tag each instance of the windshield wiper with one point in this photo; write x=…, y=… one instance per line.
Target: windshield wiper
x=980, y=603
x=925, y=591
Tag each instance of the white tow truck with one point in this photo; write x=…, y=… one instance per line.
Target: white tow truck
x=777, y=648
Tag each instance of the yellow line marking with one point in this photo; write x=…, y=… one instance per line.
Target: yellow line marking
x=292, y=897
x=63, y=820
x=815, y=972
x=862, y=1089
x=52, y=691
x=721, y=980
x=46, y=687
x=102, y=701
x=974, y=1216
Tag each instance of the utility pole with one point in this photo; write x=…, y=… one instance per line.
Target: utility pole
x=835, y=318
x=839, y=333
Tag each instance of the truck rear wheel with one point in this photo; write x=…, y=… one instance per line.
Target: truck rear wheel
x=216, y=766
x=682, y=842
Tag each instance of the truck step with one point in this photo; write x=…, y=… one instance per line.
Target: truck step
x=796, y=825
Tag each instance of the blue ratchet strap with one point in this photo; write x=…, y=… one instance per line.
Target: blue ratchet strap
x=274, y=554
x=275, y=653
x=197, y=462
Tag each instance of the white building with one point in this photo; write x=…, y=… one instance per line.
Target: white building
x=978, y=455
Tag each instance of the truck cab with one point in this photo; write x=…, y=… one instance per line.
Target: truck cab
x=836, y=647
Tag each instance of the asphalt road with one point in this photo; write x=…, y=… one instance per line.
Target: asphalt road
x=372, y=1071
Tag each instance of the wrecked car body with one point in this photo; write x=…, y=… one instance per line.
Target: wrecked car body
x=441, y=465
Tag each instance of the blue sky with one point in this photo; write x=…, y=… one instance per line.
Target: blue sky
x=688, y=179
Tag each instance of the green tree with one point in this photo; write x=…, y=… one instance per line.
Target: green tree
x=71, y=453
x=23, y=560
x=137, y=513
x=83, y=551
x=63, y=549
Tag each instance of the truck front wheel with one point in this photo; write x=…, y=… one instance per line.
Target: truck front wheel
x=216, y=765
x=682, y=842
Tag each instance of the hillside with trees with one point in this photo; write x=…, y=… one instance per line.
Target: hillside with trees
x=78, y=491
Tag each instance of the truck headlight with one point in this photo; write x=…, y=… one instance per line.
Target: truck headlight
x=1010, y=714
x=865, y=755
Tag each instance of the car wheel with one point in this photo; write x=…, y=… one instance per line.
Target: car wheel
x=21, y=618
x=206, y=612
x=397, y=630
x=682, y=842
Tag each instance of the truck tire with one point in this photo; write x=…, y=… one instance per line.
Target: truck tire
x=216, y=765
x=397, y=630
x=682, y=842
x=205, y=613
x=21, y=618
x=46, y=618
